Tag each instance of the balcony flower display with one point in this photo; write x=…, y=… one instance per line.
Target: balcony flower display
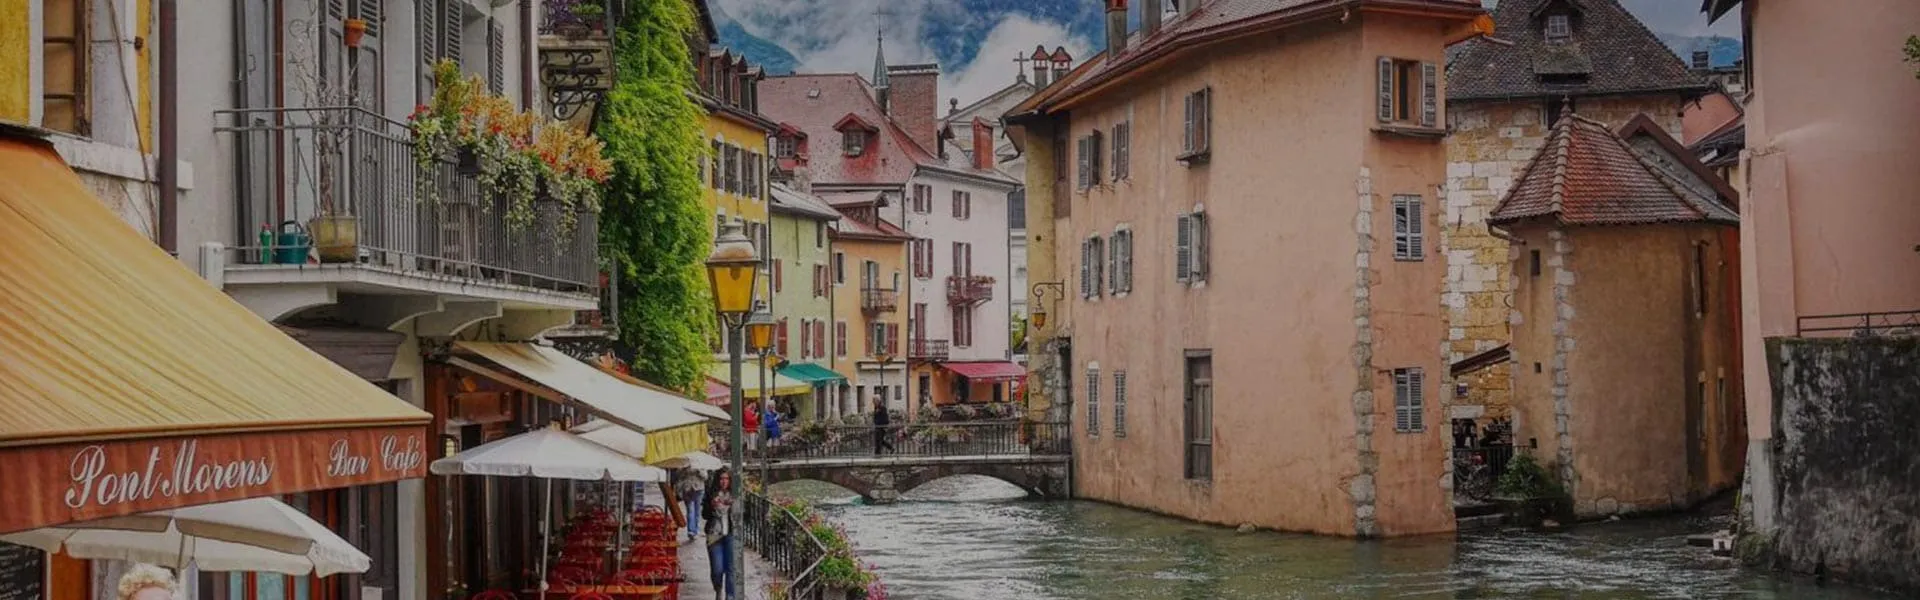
x=516, y=155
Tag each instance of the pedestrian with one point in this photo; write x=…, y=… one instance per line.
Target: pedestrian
x=720, y=533
x=772, y=421
x=752, y=425
x=147, y=582
x=881, y=419
x=691, y=487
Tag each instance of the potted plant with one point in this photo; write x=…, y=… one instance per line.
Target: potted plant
x=354, y=30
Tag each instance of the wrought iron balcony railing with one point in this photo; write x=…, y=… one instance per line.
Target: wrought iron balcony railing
x=967, y=290
x=926, y=349
x=876, y=300
x=294, y=164
x=577, y=18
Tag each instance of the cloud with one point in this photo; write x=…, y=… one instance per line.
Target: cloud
x=838, y=36
x=1682, y=17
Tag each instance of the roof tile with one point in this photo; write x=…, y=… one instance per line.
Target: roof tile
x=1587, y=175
x=1613, y=50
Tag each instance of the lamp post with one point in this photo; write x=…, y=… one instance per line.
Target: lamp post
x=732, y=270
x=760, y=337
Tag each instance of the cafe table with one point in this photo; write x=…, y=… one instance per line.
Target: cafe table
x=617, y=591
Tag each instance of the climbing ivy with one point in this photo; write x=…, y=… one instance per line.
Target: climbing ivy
x=654, y=227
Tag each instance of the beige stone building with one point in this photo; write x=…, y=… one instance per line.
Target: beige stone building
x=1503, y=95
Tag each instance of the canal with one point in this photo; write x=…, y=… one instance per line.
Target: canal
x=973, y=538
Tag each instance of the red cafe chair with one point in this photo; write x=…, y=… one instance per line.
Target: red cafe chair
x=655, y=576
x=493, y=595
x=571, y=575
x=591, y=595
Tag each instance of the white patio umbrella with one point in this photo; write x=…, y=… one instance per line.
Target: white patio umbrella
x=548, y=454
x=257, y=534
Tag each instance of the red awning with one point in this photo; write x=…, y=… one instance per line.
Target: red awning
x=718, y=394
x=987, y=372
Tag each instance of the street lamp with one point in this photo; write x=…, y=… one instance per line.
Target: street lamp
x=732, y=270
x=760, y=338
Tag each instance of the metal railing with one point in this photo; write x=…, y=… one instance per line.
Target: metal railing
x=927, y=349
x=292, y=164
x=786, y=543
x=923, y=440
x=969, y=289
x=879, y=299
x=1477, y=470
x=575, y=18
x=1867, y=324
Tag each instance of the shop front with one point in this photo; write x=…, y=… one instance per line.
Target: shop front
x=131, y=385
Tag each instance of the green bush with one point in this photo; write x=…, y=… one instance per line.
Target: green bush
x=1525, y=478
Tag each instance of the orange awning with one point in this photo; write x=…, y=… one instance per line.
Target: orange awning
x=129, y=384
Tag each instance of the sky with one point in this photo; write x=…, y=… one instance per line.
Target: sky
x=980, y=38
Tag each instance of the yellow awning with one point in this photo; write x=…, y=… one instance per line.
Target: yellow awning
x=637, y=408
x=105, y=336
x=750, y=380
x=651, y=448
x=700, y=408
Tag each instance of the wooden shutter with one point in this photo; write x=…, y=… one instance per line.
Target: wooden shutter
x=1183, y=249
x=958, y=261
x=1202, y=246
x=1203, y=117
x=1416, y=229
x=1086, y=270
x=1113, y=264
x=1125, y=270
x=428, y=23
x=496, y=57
x=969, y=269
x=1093, y=157
x=1385, y=100
x=369, y=11
x=1187, y=144
x=450, y=26
x=1081, y=176
x=840, y=338
x=1402, y=396
x=1429, y=97
x=780, y=337
x=893, y=339
x=779, y=275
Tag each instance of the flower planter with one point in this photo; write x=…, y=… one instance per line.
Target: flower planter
x=337, y=237
x=354, y=30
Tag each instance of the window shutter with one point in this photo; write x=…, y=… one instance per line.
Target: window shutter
x=369, y=10
x=1400, y=232
x=1126, y=263
x=428, y=21
x=1402, y=418
x=1416, y=229
x=780, y=337
x=820, y=338
x=1429, y=99
x=496, y=57
x=1203, y=121
x=779, y=275
x=840, y=337
x=1202, y=246
x=1183, y=249
x=1113, y=264
x=1086, y=269
x=450, y=25
x=893, y=339
x=1416, y=400
x=969, y=264
x=1386, y=89
x=1187, y=144
x=1093, y=157
x=957, y=261
x=1081, y=162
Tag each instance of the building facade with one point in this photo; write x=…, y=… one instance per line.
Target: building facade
x=1504, y=94
x=1208, y=381
x=803, y=289
x=1625, y=282
x=868, y=285
x=739, y=157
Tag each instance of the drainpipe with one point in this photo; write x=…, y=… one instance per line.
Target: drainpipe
x=169, y=152
x=529, y=64
x=1503, y=234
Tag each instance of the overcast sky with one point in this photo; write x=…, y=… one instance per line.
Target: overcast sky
x=830, y=36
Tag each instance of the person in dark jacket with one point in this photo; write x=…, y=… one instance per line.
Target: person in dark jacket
x=880, y=422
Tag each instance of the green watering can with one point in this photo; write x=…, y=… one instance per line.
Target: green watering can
x=290, y=246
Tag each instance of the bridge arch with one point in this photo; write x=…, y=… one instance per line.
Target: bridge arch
x=882, y=481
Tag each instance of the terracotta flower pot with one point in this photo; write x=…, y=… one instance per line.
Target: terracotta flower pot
x=355, y=29
x=337, y=237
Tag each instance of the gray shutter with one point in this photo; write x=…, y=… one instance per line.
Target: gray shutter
x=1429, y=99
x=1203, y=117
x=1402, y=419
x=336, y=10
x=1416, y=399
x=1113, y=264
x=1093, y=156
x=1386, y=89
x=1080, y=162
x=1099, y=266
x=496, y=57
x=450, y=24
x=1202, y=246
x=1183, y=249
x=428, y=21
x=1416, y=229
x=1187, y=145
x=369, y=11
x=1126, y=259
x=1400, y=228
x=1086, y=270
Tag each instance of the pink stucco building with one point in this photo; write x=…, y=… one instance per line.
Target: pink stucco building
x=1236, y=204
x=1828, y=218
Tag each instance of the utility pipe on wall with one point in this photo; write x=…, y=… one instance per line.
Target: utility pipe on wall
x=169, y=152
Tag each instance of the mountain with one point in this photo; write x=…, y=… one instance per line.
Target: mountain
x=770, y=56
x=1721, y=51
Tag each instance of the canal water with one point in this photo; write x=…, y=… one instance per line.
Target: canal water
x=973, y=538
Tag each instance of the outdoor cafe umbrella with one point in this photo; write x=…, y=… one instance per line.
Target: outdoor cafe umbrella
x=257, y=534
x=633, y=443
x=548, y=454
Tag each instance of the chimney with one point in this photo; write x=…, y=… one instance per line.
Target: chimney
x=914, y=102
x=1061, y=63
x=983, y=158
x=1040, y=66
x=1116, y=27
x=1701, y=59
x=1149, y=18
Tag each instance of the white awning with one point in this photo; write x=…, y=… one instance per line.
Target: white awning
x=548, y=454
x=645, y=410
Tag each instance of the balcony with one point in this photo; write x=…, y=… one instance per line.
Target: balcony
x=927, y=350
x=969, y=290
x=288, y=162
x=879, y=300
x=576, y=55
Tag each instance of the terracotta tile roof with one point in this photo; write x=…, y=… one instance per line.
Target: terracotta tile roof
x=1722, y=147
x=815, y=103
x=1610, y=52
x=1214, y=20
x=1587, y=175
x=851, y=227
x=792, y=201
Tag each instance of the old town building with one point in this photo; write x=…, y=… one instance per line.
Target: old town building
x=1209, y=378
x=1503, y=94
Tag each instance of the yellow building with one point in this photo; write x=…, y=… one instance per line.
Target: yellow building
x=736, y=169
x=866, y=270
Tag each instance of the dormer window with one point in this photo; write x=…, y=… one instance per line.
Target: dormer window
x=854, y=142
x=1559, y=27
x=785, y=146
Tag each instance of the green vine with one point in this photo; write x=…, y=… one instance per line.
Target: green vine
x=654, y=227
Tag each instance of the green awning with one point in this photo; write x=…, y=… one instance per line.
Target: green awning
x=811, y=373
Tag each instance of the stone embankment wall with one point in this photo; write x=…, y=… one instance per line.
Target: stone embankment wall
x=1846, y=460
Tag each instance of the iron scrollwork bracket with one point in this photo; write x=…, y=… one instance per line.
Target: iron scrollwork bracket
x=575, y=78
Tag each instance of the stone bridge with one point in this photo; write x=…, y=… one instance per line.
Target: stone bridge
x=883, y=479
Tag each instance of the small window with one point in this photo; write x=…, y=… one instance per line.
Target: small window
x=1199, y=415
x=1700, y=279
x=1198, y=131
x=1190, y=248
x=1559, y=28
x=1409, y=400
x=1408, y=92
x=922, y=198
x=819, y=234
x=1120, y=262
x=1533, y=263
x=1089, y=160
x=1093, y=258
x=839, y=268
x=1121, y=133
x=785, y=146
x=1119, y=403
x=854, y=143
x=1093, y=401
x=1409, y=229
x=962, y=204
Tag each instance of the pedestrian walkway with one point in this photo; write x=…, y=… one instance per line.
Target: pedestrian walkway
x=696, y=568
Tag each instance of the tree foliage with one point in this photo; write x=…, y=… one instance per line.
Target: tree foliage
x=654, y=227
x=1913, y=54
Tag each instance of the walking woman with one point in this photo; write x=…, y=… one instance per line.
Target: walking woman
x=691, y=487
x=720, y=533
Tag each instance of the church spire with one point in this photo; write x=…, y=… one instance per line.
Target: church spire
x=879, y=62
